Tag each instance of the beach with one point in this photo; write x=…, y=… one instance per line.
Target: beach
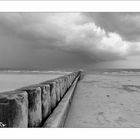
x=108, y=99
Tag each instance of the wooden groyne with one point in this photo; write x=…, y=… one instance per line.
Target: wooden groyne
x=32, y=105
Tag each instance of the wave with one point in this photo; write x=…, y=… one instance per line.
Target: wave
x=32, y=72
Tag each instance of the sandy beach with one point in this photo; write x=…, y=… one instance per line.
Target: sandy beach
x=106, y=100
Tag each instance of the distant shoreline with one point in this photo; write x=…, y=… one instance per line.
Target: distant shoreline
x=93, y=71
x=114, y=71
x=30, y=72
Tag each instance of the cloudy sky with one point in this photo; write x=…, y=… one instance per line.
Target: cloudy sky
x=53, y=41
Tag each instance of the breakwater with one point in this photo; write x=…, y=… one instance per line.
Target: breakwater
x=32, y=105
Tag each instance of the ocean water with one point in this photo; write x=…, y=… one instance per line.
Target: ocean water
x=11, y=80
x=114, y=70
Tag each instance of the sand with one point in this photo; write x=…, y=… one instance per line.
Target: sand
x=106, y=100
x=14, y=80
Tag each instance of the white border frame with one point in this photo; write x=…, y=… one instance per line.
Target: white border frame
x=70, y=133
x=70, y=6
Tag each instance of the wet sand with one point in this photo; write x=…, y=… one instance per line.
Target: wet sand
x=13, y=80
x=106, y=100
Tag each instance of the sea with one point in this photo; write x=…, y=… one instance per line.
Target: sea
x=100, y=71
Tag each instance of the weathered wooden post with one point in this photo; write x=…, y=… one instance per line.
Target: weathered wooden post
x=14, y=109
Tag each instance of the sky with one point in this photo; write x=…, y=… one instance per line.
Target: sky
x=57, y=41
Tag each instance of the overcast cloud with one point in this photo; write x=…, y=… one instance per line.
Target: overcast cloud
x=67, y=40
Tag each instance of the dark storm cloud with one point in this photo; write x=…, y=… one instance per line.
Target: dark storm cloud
x=125, y=24
x=63, y=40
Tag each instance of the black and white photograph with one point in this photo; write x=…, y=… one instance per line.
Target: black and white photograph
x=70, y=70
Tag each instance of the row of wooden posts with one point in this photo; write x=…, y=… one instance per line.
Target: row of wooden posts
x=30, y=106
